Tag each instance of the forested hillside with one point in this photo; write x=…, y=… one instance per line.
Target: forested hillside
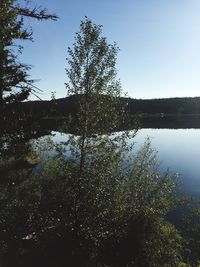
x=185, y=105
x=66, y=106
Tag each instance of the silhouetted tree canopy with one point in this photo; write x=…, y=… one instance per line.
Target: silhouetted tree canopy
x=15, y=82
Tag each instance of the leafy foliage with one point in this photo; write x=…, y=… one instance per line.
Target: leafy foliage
x=92, y=79
x=103, y=215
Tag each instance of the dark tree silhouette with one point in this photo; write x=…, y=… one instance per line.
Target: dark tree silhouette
x=15, y=83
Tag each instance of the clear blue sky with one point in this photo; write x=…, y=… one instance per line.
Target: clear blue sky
x=159, y=42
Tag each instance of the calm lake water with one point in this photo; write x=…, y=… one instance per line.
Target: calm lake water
x=178, y=150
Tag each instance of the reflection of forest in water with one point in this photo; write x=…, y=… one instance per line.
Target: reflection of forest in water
x=22, y=132
x=154, y=122
x=171, y=122
x=16, y=134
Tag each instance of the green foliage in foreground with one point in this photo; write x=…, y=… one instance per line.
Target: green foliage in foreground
x=106, y=217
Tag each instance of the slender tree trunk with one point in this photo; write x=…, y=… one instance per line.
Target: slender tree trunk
x=84, y=135
x=85, y=119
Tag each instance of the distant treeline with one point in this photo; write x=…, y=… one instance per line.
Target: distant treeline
x=66, y=106
x=177, y=106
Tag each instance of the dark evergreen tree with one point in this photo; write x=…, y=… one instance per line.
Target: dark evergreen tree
x=15, y=82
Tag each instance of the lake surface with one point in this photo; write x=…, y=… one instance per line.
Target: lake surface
x=178, y=150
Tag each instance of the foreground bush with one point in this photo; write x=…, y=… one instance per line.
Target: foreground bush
x=106, y=216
